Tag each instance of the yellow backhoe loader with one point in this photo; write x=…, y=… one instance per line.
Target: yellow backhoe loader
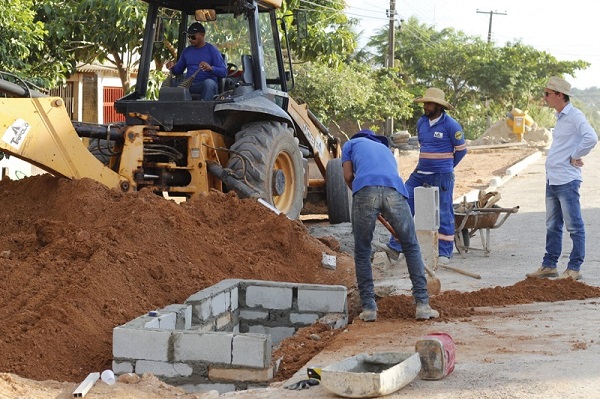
x=252, y=137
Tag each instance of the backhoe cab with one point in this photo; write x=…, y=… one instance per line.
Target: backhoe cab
x=252, y=137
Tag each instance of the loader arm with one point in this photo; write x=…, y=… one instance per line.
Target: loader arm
x=324, y=146
x=39, y=131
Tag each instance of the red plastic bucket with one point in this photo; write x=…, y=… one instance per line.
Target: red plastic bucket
x=437, y=353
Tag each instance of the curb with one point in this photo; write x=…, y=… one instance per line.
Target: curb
x=497, y=181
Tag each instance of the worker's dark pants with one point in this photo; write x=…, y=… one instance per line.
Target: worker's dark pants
x=367, y=203
x=445, y=183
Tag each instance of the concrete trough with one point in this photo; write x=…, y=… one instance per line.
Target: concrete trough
x=371, y=375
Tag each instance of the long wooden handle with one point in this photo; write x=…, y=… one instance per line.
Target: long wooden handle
x=391, y=230
x=461, y=271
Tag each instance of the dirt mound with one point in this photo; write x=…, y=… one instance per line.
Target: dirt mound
x=79, y=259
x=500, y=133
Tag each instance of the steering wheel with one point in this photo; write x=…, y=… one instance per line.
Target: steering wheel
x=231, y=69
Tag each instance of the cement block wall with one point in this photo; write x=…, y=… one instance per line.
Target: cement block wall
x=222, y=337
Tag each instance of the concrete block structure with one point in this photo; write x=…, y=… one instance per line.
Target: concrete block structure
x=222, y=337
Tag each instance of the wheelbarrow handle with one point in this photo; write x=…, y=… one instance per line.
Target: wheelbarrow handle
x=497, y=210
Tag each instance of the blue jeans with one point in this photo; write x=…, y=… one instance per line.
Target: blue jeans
x=367, y=203
x=563, y=208
x=207, y=89
x=445, y=184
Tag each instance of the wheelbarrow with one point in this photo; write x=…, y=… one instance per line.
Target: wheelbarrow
x=472, y=219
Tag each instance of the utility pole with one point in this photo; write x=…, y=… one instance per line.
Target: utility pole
x=389, y=122
x=492, y=13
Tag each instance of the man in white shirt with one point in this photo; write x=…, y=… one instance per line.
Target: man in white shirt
x=572, y=138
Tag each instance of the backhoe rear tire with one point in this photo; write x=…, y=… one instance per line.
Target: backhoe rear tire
x=272, y=163
x=339, y=196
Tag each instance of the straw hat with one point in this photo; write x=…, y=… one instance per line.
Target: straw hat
x=433, y=95
x=558, y=84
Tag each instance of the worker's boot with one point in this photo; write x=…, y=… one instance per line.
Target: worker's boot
x=544, y=272
x=570, y=273
x=368, y=315
x=424, y=312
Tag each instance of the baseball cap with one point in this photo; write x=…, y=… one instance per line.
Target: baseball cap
x=196, y=27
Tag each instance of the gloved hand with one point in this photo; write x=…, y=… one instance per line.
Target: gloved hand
x=303, y=384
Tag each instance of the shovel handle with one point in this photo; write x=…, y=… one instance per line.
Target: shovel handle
x=461, y=271
x=386, y=224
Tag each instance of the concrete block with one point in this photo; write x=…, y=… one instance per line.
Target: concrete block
x=206, y=327
x=335, y=320
x=207, y=293
x=329, y=261
x=269, y=297
x=428, y=241
x=167, y=321
x=218, y=303
x=496, y=181
x=246, y=314
x=322, y=298
x=183, y=314
x=205, y=347
x=277, y=334
x=130, y=343
x=251, y=350
x=122, y=367
x=203, y=309
x=235, y=298
x=223, y=320
x=427, y=208
x=304, y=319
x=163, y=369
x=245, y=375
x=152, y=323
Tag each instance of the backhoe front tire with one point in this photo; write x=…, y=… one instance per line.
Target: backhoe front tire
x=272, y=163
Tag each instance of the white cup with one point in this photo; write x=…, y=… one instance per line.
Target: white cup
x=108, y=377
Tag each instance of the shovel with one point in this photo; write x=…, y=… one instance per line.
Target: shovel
x=434, y=285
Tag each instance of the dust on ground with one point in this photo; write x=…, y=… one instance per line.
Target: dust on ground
x=79, y=259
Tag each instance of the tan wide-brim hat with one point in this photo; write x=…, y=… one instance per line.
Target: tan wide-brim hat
x=559, y=84
x=433, y=95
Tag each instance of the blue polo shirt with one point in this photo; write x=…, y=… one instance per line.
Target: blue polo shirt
x=373, y=164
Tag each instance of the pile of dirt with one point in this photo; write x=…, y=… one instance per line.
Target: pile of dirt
x=78, y=259
x=500, y=133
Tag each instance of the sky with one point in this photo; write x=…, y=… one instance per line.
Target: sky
x=568, y=30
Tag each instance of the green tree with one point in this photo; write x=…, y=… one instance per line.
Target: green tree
x=352, y=92
x=481, y=79
x=330, y=33
x=115, y=36
x=23, y=42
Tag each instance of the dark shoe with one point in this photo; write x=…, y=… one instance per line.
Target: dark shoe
x=570, y=273
x=391, y=252
x=368, y=315
x=424, y=312
x=544, y=272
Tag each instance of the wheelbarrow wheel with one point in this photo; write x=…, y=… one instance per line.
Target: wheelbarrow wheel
x=466, y=239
